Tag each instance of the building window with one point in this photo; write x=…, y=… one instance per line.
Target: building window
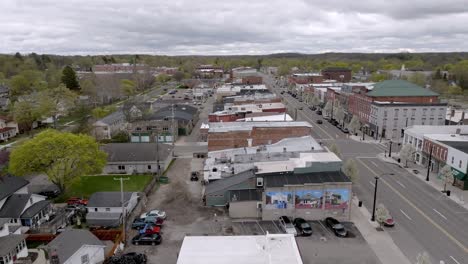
x=121, y=167
x=432, y=111
x=165, y=129
x=95, y=209
x=397, y=111
x=459, y=164
x=424, y=111
x=405, y=112
x=453, y=159
x=107, y=209
x=214, y=170
x=413, y=112
x=85, y=259
x=149, y=167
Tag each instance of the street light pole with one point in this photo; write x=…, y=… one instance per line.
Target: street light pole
x=390, y=151
x=375, y=194
x=429, y=164
x=124, y=220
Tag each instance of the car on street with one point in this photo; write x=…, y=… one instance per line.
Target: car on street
x=194, y=176
x=287, y=226
x=334, y=122
x=415, y=171
x=300, y=108
x=389, y=221
x=300, y=100
x=130, y=257
x=156, y=213
x=50, y=194
x=319, y=121
x=345, y=130
x=147, y=239
x=139, y=223
x=282, y=92
x=337, y=227
x=150, y=229
x=313, y=108
x=304, y=228
x=319, y=112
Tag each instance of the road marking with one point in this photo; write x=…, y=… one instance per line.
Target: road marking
x=456, y=261
x=407, y=216
x=276, y=226
x=439, y=213
x=373, y=184
x=401, y=184
x=375, y=164
x=263, y=231
x=454, y=240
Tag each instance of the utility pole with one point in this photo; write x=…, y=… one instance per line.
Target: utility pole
x=375, y=198
x=172, y=126
x=124, y=220
x=429, y=164
x=333, y=105
x=390, y=150
x=157, y=154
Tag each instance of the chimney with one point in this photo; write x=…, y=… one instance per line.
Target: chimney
x=249, y=142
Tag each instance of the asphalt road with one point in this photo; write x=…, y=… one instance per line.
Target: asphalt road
x=426, y=220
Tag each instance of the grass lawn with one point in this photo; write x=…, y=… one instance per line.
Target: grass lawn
x=87, y=185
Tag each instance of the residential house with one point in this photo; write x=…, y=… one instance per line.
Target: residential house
x=105, y=208
x=76, y=246
x=12, y=247
x=108, y=126
x=20, y=206
x=4, y=97
x=136, y=158
x=8, y=128
x=186, y=117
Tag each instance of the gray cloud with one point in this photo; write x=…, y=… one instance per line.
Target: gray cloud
x=231, y=27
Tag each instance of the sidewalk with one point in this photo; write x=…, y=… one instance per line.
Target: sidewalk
x=368, y=139
x=380, y=241
x=457, y=195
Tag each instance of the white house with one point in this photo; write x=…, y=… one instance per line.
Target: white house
x=12, y=242
x=105, y=208
x=77, y=246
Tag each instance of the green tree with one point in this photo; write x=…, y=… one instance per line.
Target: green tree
x=178, y=76
x=437, y=75
x=455, y=90
x=378, y=77
x=128, y=87
x=328, y=107
x=406, y=153
x=61, y=156
x=440, y=86
x=56, y=101
x=334, y=148
x=26, y=112
x=69, y=78
x=121, y=137
x=88, y=87
x=163, y=78
x=381, y=214
x=350, y=169
x=338, y=113
x=418, y=78
x=26, y=82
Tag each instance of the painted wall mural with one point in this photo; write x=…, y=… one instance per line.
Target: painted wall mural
x=278, y=200
x=308, y=199
x=336, y=199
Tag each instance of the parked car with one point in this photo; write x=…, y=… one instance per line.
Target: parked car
x=141, y=222
x=300, y=108
x=147, y=239
x=389, y=221
x=131, y=257
x=282, y=92
x=304, y=228
x=77, y=201
x=156, y=213
x=336, y=227
x=334, y=122
x=319, y=121
x=345, y=130
x=287, y=226
x=319, y=112
x=50, y=194
x=150, y=229
x=415, y=171
x=313, y=108
x=194, y=176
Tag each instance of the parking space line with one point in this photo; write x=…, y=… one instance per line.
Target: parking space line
x=456, y=261
x=443, y=216
x=277, y=228
x=324, y=227
x=405, y=214
x=401, y=184
x=373, y=184
x=263, y=231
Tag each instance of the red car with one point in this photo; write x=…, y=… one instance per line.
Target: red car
x=150, y=229
x=389, y=222
x=77, y=201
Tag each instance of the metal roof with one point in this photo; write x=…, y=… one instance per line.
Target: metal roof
x=245, y=195
x=108, y=199
x=290, y=178
x=9, y=184
x=399, y=88
x=224, y=184
x=136, y=152
x=69, y=241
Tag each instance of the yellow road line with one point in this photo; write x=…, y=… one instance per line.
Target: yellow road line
x=459, y=244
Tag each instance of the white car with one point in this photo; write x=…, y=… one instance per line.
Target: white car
x=287, y=226
x=154, y=213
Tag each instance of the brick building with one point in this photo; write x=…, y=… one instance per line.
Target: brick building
x=244, y=134
x=337, y=73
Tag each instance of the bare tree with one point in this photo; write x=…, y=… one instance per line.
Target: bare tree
x=350, y=169
x=406, y=153
x=354, y=124
x=381, y=214
x=423, y=258
x=446, y=175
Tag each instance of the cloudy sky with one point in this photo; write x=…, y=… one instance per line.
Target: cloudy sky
x=184, y=27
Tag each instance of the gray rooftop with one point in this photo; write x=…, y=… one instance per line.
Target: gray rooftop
x=223, y=184
x=10, y=184
x=8, y=243
x=459, y=145
x=103, y=219
x=4, y=221
x=181, y=112
x=246, y=126
x=69, y=241
x=108, y=199
x=136, y=152
x=35, y=208
x=14, y=205
x=291, y=178
x=245, y=195
x=113, y=117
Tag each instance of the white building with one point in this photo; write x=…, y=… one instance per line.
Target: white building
x=391, y=118
x=271, y=248
x=77, y=246
x=105, y=208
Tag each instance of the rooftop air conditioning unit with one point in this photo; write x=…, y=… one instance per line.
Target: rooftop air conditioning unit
x=259, y=182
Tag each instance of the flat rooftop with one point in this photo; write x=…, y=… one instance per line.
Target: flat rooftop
x=426, y=130
x=460, y=145
x=246, y=126
x=268, y=249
